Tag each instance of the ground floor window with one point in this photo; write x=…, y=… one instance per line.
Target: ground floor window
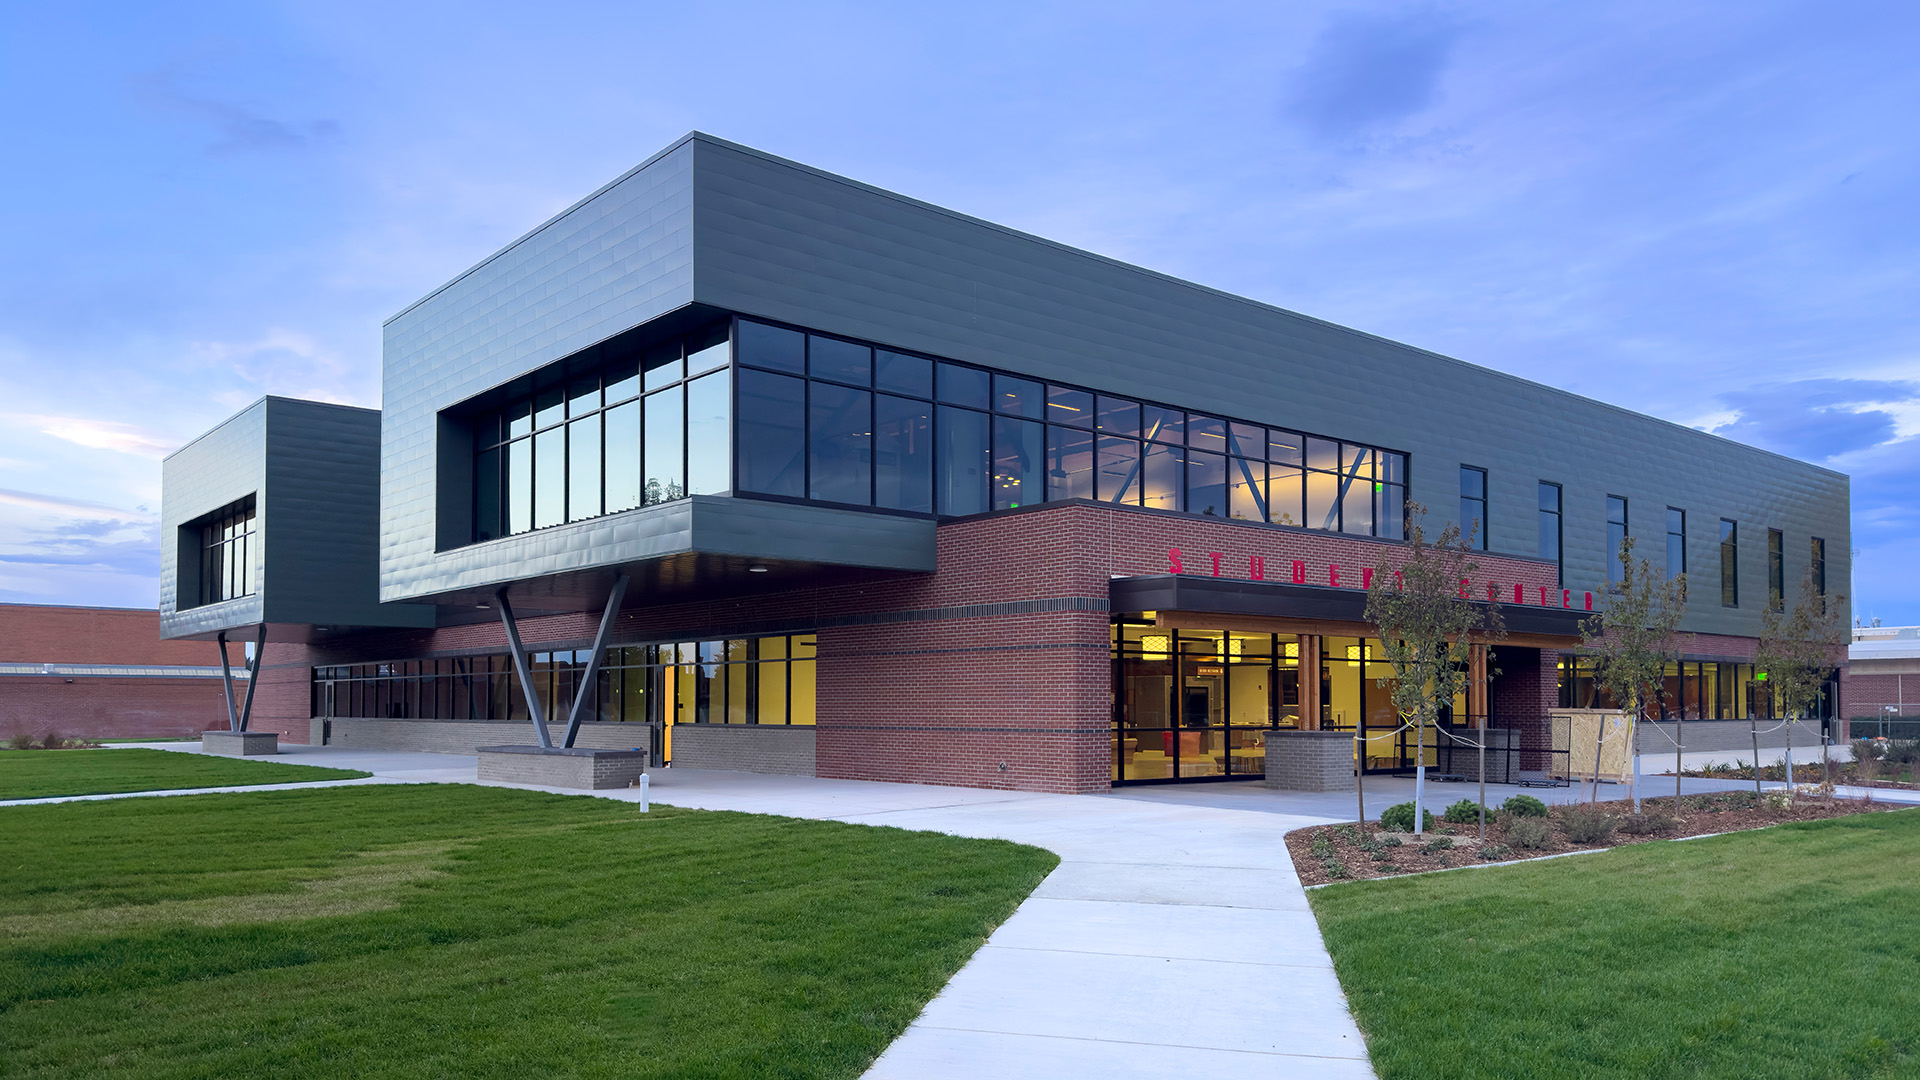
x=1689, y=690
x=1196, y=704
x=765, y=680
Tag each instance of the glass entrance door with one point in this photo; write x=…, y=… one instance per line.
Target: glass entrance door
x=1197, y=704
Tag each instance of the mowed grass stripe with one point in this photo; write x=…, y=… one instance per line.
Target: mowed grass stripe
x=42, y=774
x=1785, y=952
x=497, y=932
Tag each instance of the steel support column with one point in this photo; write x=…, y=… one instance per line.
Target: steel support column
x=590, y=679
x=226, y=682
x=520, y=666
x=253, y=678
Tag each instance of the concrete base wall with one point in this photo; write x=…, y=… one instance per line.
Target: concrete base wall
x=1310, y=760
x=587, y=770
x=240, y=743
x=1720, y=736
x=459, y=737
x=784, y=751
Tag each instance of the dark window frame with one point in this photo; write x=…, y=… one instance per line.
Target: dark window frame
x=1729, y=563
x=1478, y=522
x=1557, y=514
x=1776, y=570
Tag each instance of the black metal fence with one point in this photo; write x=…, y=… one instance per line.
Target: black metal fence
x=1529, y=752
x=1884, y=727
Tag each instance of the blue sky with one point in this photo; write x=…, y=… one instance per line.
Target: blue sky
x=1705, y=212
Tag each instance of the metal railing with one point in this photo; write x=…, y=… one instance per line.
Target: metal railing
x=1525, y=751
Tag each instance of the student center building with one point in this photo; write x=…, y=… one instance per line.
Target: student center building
x=845, y=484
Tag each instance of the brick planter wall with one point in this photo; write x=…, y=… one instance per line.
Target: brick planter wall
x=1310, y=760
x=587, y=770
x=779, y=750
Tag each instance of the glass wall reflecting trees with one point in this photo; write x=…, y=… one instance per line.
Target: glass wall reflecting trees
x=1689, y=690
x=788, y=413
x=832, y=420
x=649, y=427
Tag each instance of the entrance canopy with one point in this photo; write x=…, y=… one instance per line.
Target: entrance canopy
x=1267, y=607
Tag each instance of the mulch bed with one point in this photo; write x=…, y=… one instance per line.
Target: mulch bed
x=1327, y=853
x=1810, y=772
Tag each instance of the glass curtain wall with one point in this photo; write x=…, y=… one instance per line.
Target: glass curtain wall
x=768, y=680
x=831, y=420
x=649, y=427
x=1356, y=691
x=226, y=553
x=1689, y=690
x=1195, y=704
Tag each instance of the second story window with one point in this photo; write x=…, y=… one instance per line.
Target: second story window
x=1616, y=535
x=1819, y=566
x=1550, y=523
x=1473, y=506
x=1676, y=541
x=226, y=553
x=1776, y=570
x=1729, y=563
x=651, y=427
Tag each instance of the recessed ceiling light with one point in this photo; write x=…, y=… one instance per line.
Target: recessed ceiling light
x=756, y=568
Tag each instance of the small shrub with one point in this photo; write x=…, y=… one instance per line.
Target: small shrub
x=1903, y=751
x=21, y=741
x=1587, y=824
x=1779, y=799
x=1335, y=868
x=53, y=741
x=1399, y=818
x=1494, y=852
x=1524, y=806
x=1865, y=750
x=1648, y=823
x=1349, y=833
x=1389, y=840
x=1381, y=856
x=1322, y=847
x=1531, y=833
x=1437, y=845
x=1463, y=812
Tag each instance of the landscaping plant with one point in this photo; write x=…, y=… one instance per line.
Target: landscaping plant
x=1427, y=626
x=1587, y=824
x=1529, y=833
x=1524, y=806
x=1463, y=812
x=1628, y=641
x=1399, y=818
x=1797, y=653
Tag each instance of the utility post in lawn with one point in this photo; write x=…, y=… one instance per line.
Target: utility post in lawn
x=1796, y=652
x=1628, y=640
x=1426, y=619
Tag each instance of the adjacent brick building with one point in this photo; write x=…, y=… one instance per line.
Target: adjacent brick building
x=104, y=673
x=769, y=469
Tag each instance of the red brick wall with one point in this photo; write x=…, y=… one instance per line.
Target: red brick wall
x=106, y=708
x=990, y=672
x=1867, y=695
x=33, y=634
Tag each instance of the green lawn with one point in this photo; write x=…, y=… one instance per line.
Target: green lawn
x=1784, y=952
x=454, y=930
x=39, y=774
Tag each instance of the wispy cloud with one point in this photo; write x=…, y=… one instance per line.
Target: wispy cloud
x=97, y=434
x=1370, y=69
x=1821, y=419
x=238, y=129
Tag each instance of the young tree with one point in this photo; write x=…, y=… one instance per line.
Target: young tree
x=1796, y=652
x=1629, y=640
x=1426, y=620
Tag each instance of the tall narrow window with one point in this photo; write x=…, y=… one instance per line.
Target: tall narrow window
x=1776, y=570
x=1676, y=541
x=1550, y=526
x=1616, y=535
x=1729, y=563
x=226, y=553
x=1819, y=566
x=1473, y=506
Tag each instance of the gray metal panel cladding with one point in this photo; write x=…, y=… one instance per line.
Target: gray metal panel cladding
x=313, y=469
x=618, y=258
x=323, y=494
x=781, y=240
x=223, y=466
